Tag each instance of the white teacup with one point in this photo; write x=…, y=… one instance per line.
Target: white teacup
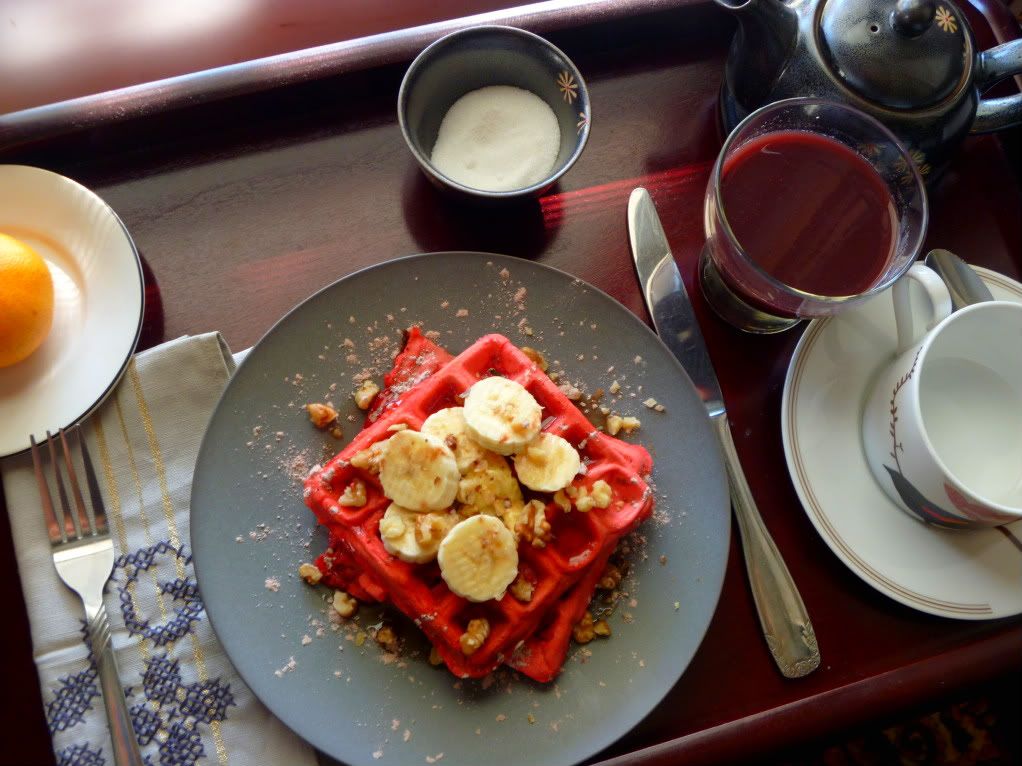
x=942, y=427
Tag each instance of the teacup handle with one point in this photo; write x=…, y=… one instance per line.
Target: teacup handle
x=939, y=304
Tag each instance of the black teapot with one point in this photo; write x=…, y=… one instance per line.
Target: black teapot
x=912, y=64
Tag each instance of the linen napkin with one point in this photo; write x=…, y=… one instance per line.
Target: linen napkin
x=186, y=701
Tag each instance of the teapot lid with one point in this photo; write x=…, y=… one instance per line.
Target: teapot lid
x=905, y=55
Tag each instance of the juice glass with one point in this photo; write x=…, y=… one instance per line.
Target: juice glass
x=812, y=206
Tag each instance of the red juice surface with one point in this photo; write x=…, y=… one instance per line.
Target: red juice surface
x=810, y=212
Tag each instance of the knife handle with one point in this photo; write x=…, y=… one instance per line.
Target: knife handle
x=786, y=626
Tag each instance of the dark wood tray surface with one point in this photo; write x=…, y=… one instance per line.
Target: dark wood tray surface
x=242, y=208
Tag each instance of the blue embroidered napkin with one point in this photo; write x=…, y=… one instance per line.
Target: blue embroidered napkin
x=187, y=703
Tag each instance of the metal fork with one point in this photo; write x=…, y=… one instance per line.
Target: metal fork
x=83, y=555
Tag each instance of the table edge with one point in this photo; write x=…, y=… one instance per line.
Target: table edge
x=286, y=69
x=869, y=698
x=812, y=718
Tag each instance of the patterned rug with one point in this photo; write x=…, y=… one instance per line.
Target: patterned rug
x=983, y=730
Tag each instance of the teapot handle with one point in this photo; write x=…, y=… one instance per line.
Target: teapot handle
x=996, y=64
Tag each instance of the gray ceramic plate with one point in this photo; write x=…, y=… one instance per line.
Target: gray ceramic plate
x=250, y=529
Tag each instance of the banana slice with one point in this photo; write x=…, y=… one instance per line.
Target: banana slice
x=449, y=426
x=501, y=415
x=548, y=464
x=414, y=537
x=478, y=558
x=419, y=472
x=488, y=486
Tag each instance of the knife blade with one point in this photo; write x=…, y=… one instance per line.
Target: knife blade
x=782, y=614
x=667, y=299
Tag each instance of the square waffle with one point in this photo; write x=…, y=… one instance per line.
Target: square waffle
x=531, y=637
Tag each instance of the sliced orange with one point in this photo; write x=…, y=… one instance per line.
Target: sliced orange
x=26, y=300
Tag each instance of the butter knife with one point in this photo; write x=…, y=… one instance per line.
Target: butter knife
x=786, y=626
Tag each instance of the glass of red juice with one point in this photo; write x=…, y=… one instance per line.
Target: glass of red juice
x=811, y=207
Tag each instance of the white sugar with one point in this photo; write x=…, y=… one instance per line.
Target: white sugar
x=497, y=139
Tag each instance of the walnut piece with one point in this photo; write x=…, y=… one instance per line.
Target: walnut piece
x=601, y=493
x=562, y=501
x=610, y=578
x=354, y=495
x=522, y=589
x=535, y=528
x=616, y=423
x=344, y=604
x=570, y=391
x=586, y=498
x=434, y=657
x=583, y=632
x=310, y=573
x=369, y=459
x=321, y=415
x=386, y=638
x=474, y=636
x=392, y=528
x=615, y=387
x=536, y=357
x=601, y=628
x=365, y=394
x=431, y=528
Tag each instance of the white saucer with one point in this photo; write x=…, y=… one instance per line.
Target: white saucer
x=973, y=575
x=98, y=300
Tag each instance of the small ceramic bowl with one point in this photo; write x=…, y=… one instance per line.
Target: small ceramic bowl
x=477, y=57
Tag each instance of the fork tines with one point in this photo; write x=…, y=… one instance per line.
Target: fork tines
x=63, y=524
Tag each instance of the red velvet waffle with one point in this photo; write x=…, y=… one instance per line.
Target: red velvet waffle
x=533, y=636
x=543, y=653
x=419, y=359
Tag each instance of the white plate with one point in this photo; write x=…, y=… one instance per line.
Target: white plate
x=972, y=575
x=98, y=299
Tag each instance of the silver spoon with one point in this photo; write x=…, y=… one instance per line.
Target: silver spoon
x=962, y=282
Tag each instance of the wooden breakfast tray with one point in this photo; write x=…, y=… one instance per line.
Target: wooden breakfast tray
x=247, y=190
